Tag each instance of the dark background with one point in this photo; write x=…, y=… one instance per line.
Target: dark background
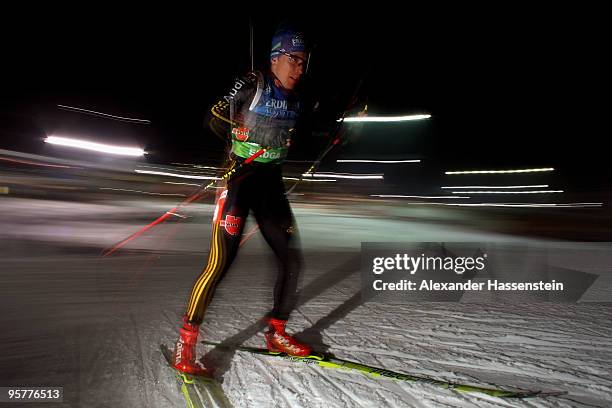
x=507, y=87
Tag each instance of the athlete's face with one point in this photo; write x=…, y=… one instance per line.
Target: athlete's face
x=289, y=68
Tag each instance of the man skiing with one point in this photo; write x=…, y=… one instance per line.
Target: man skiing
x=261, y=111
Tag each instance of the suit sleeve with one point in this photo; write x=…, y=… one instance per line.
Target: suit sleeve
x=226, y=113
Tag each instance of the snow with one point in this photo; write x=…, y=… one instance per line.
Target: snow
x=94, y=325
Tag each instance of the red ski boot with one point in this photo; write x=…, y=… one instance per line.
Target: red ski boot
x=183, y=358
x=279, y=341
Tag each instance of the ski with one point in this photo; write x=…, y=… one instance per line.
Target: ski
x=199, y=392
x=329, y=361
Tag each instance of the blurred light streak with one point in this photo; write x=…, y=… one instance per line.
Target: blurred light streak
x=345, y=176
x=35, y=164
x=384, y=118
x=98, y=147
x=177, y=214
x=532, y=205
x=311, y=180
x=377, y=161
x=163, y=173
x=104, y=115
x=508, y=192
x=531, y=186
x=210, y=167
x=413, y=196
x=142, y=192
x=518, y=205
x=4, y=190
x=171, y=169
x=182, y=184
x=501, y=171
x=197, y=166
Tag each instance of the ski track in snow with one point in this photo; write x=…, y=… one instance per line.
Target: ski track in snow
x=551, y=347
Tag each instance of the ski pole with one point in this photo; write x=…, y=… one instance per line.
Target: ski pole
x=197, y=195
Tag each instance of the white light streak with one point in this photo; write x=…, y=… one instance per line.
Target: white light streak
x=508, y=192
x=516, y=205
x=309, y=180
x=345, y=176
x=531, y=205
x=528, y=186
x=182, y=184
x=415, y=196
x=501, y=171
x=385, y=118
x=173, y=169
x=377, y=161
x=98, y=147
x=104, y=115
x=163, y=173
x=197, y=166
x=175, y=214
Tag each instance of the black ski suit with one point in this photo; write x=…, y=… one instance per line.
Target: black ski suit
x=256, y=113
